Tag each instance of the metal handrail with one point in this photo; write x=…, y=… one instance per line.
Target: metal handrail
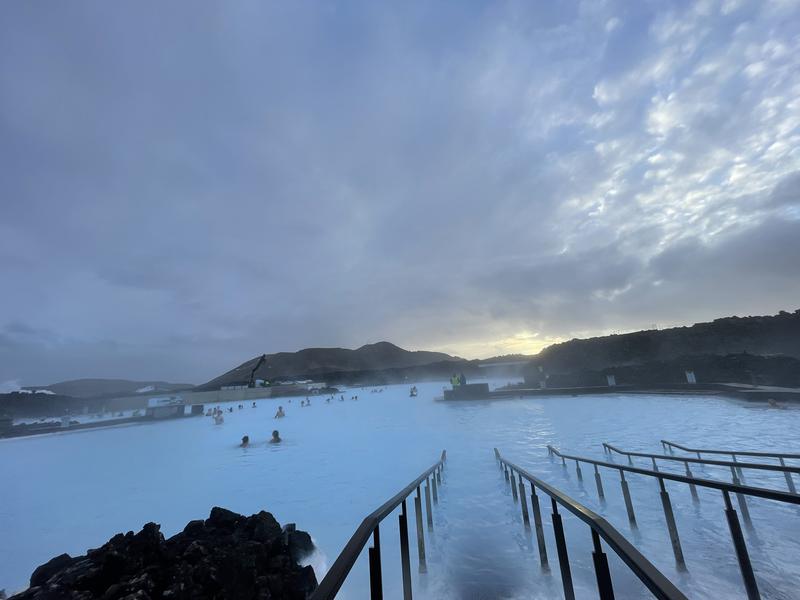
x=745, y=566
x=709, y=483
x=707, y=461
x=733, y=453
x=336, y=575
x=648, y=574
x=735, y=466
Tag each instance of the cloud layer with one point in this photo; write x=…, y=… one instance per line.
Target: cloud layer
x=187, y=185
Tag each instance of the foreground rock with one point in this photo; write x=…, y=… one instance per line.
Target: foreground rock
x=226, y=556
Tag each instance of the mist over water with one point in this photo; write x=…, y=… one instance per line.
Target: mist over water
x=339, y=461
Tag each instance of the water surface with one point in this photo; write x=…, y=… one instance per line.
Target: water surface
x=340, y=460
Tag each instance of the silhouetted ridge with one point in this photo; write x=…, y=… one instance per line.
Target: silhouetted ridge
x=311, y=362
x=764, y=335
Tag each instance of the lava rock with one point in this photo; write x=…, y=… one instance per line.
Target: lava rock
x=299, y=542
x=50, y=568
x=226, y=556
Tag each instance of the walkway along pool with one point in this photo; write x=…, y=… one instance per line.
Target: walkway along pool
x=339, y=461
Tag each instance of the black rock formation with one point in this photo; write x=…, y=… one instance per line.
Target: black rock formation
x=765, y=336
x=708, y=368
x=225, y=556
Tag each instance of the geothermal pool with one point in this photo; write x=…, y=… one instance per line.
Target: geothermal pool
x=339, y=461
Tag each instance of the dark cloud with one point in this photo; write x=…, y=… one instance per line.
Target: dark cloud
x=186, y=186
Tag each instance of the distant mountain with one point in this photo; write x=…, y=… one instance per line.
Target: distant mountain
x=313, y=362
x=766, y=335
x=97, y=388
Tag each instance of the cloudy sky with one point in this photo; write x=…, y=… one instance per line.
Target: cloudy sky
x=188, y=184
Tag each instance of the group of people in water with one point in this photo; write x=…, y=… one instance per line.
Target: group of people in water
x=275, y=439
x=217, y=414
x=307, y=401
x=276, y=436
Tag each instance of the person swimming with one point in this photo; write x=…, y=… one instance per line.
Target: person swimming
x=276, y=437
x=245, y=441
x=280, y=414
x=254, y=405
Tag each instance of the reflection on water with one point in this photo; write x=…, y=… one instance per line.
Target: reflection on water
x=341, y=460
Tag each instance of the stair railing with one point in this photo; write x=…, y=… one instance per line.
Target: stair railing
x=733, y=453
x=370, y=527
x=726, y=488
x=735, y=466
x=648, y=574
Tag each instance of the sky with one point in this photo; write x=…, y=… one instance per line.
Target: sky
x=186, y=185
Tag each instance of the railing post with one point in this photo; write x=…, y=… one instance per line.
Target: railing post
x=525, y=517
x=599, y=483
x=578, y=470
x=433, y=488
x=420, y=534
x=738, y=468
x=405, y=559
x=439, y=475
x=428, y=504
x=563, y=557
x=375, y=579
x=788, y=476
x=601, y=571
x=742, y=501
x=513, y=485
x=505, y=470
x=655, y=466
x=626, y=494
x=741, y=550
x=671, y=527
x=692, y=487
x=537, y=521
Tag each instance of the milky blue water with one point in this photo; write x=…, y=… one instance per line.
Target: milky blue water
x=339, y=461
